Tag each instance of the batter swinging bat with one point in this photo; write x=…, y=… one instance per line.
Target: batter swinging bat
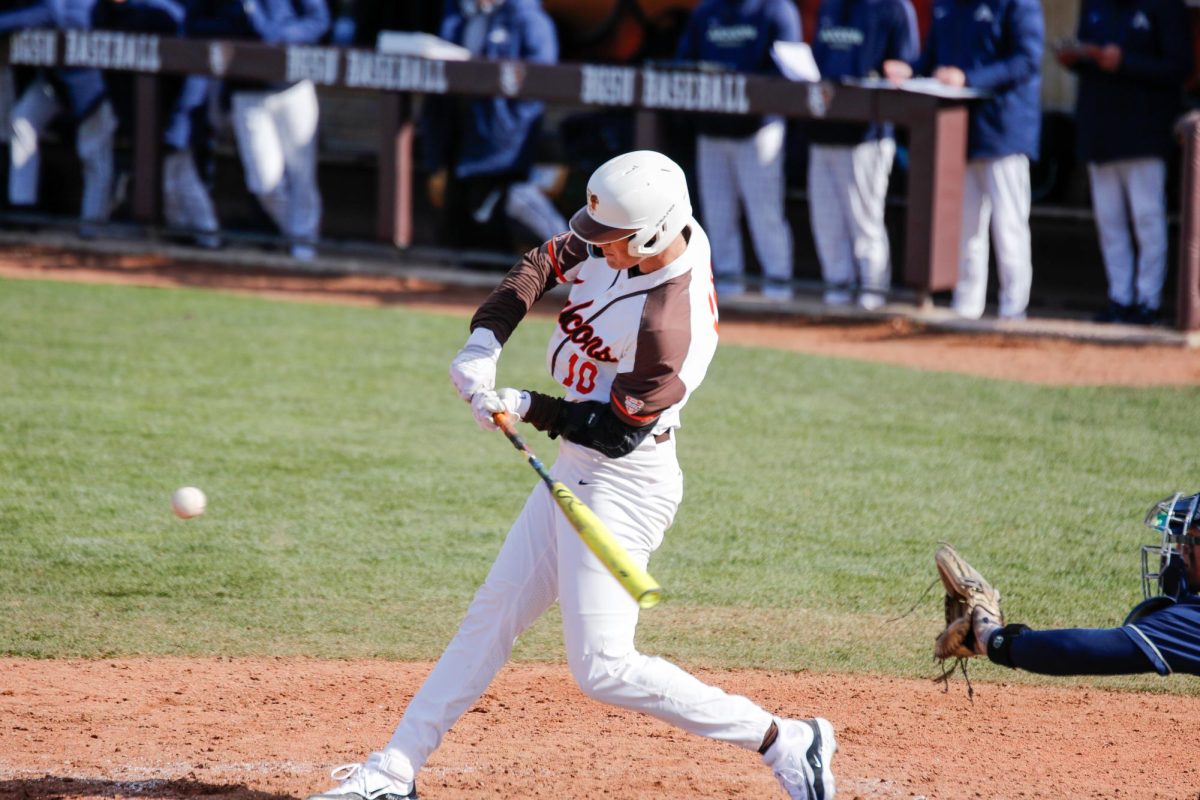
x=594, y=533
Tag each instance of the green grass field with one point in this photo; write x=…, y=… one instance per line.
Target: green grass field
x=354, y=506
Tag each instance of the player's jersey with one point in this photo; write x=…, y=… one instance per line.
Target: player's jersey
x=641, y=342
x=1170, y=636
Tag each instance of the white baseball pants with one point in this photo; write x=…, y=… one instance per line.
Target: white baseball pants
x=1127, y=194
x=530, y=206
x=186, y=202
x=996, y=194
x=277, y=140
x=745, y=174
x=847, y=187
x=32, y=114
x=543, y=559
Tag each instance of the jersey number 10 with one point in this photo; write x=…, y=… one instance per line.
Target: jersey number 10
x=587, y=375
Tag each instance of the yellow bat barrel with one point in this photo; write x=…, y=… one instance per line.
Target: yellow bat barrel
x=600, y=540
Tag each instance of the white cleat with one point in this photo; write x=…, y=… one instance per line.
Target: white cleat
x=378, y=779
x=801, y=756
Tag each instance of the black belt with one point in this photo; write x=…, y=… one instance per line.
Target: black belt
x=665, y=436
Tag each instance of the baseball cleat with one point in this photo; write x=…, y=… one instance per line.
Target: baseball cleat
x=801, y=756
x=369, y=781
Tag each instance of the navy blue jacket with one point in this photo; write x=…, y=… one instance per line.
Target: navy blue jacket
x=1170, y=637
x=853, y=39
x=1129, y=113
x=81, y=91
x=737, y=35
x=184, y=99
x=270, y=21
x=998, y=44
x=491, y=136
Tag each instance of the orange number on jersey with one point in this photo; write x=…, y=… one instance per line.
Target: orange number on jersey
x=587, y=375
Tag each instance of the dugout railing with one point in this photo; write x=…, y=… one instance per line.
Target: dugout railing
x=936, y=125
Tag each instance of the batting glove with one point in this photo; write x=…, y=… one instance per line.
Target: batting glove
x=473, y=370
x=513, y=402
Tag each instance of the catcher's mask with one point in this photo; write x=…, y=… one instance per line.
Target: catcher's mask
x=1177, y=519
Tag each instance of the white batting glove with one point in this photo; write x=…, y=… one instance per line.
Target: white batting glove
x=509, y=401
x=473, y=370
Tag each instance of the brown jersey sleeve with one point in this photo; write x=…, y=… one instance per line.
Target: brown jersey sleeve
x=664, y=337
x=535, y=274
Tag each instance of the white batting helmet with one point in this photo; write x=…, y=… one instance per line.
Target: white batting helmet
x=641, y=196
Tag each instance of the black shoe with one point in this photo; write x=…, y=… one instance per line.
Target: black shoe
x=1114, y=313
x=1143, y=314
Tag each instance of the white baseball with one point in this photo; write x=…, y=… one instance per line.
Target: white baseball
x=188, y=502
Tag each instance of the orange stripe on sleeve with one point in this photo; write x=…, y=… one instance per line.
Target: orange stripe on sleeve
x=619, y=406
x=554, y=262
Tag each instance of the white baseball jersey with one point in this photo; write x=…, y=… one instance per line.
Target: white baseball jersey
x=641, y=342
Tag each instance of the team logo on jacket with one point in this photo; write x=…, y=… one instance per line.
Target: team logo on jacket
x=219, y=54
x=820, y=95
x=633, y=406
x=983, y=14
x=512, y=75
x=579, y=331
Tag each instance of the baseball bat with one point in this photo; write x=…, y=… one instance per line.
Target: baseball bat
x=591, y=529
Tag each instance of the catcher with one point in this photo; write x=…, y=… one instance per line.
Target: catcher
x=1161, y=634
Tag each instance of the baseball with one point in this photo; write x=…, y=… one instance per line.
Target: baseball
x=188, y=502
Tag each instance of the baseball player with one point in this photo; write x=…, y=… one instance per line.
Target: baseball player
x=1161, y=634
x=275, y=125
x=633, y=341
x=77, y=92
x=187, y=204
x=483, y=149
x=994, y=46
x=849, y=163
x=1132, y=57
x=739, y=159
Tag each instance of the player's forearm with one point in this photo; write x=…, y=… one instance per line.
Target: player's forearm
x=1069, y=651
x=591, y=424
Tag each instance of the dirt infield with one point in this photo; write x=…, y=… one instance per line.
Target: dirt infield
x=267, y=729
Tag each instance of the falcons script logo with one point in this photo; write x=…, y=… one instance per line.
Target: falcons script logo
x=577, y=330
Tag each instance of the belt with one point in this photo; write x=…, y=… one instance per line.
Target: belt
x=665, y=436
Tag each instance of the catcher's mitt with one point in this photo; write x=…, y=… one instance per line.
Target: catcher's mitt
x=971, y=603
